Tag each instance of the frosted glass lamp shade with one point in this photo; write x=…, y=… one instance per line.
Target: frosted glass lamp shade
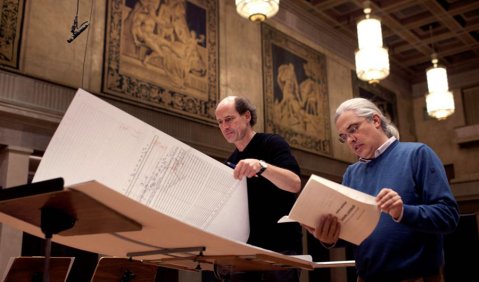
x=372, y=64
x=440, y=105
x=369, y=33
x=257, y=10
x=437, y=79
x=439, y=101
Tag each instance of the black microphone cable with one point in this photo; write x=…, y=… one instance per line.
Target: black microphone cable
x=77, y=30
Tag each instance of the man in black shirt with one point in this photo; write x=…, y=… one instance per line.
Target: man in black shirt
x=273, y=183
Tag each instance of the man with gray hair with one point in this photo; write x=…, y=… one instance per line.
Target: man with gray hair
x=411, y=189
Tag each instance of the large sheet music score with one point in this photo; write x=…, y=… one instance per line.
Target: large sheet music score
x=96, y=141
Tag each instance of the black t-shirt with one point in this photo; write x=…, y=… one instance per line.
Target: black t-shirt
x=266, y=202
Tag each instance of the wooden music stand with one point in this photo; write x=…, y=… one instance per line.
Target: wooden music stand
x=30, y=269
x=104, y=219
x=112, y=269
x=48, y=205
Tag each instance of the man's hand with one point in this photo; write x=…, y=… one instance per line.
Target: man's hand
x=327, y=229
x=247, y=167
x=390, y=202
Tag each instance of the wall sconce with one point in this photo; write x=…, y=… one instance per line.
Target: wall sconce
x=439, y=100
x=372, y=60
x=257, y=10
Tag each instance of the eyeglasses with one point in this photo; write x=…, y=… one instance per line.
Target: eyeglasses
x=352, y=129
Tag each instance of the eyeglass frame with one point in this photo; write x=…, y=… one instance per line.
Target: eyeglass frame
x=352, y=129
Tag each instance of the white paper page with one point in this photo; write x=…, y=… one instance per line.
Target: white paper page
x=357, y=211
x=97, y=141
x=303, y=257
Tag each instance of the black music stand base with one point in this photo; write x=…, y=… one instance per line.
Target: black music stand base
x=53, y=221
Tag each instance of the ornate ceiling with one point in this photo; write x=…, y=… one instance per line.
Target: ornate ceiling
x=411, y=30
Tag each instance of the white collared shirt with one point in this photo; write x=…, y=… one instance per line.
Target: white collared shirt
x=380, y=150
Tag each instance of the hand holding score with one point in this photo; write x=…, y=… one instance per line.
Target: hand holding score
x=246, y=167
x=327, y=229
x=390, y=202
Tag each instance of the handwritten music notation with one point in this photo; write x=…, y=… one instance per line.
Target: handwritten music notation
x=172, y=180
x=96, y=141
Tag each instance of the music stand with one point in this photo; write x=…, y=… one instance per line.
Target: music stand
x=112, y=269
x=48, y=205
x=31, y=269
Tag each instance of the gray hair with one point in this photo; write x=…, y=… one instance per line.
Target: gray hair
x=365, y=108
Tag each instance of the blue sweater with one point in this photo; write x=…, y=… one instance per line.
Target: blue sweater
x=414, y=246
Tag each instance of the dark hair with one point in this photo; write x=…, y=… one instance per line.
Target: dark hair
x=243, y=105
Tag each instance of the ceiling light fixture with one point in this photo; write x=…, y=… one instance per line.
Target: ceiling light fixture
x=372, y=60
x=257, y=10
x=439, y=100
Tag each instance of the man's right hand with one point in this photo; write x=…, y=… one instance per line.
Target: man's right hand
x=327, y=229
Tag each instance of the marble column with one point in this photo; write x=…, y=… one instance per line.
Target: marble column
x=14, y=163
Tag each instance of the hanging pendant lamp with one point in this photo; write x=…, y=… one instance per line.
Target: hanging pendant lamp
x=372, y=60
x=439, y=100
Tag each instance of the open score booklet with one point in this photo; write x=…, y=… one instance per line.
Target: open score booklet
x=357, y=211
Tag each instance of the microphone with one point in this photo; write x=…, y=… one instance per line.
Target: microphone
x=76, y=32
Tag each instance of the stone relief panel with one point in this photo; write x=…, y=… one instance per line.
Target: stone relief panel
x=11, y=19
x=296, y=92
x=163, y=54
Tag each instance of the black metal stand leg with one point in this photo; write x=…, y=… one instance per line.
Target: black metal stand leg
x=46, y=267
x=53, y=221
